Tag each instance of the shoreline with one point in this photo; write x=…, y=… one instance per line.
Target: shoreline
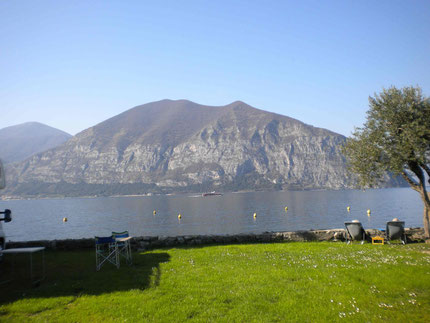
x=144, y=243
x=149, y=194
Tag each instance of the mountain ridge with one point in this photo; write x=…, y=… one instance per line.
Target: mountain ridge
x=21, y=141
x=178, y=145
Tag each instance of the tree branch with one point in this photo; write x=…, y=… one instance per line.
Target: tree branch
x=418, y=171
x=414, y=185
x=427, y=169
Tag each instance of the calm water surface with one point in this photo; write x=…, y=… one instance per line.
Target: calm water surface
x=228, y=214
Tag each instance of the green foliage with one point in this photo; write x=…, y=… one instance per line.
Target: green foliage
x=395, y=137
x=286, y=282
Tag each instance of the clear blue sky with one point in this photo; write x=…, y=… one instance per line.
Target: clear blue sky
x=73, y=64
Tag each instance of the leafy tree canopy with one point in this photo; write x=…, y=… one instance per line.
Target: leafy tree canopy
x=395, y=138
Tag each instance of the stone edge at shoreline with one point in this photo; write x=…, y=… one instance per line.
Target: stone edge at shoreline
x=152, y=242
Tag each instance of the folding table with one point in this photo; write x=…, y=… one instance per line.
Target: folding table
x=29, y=251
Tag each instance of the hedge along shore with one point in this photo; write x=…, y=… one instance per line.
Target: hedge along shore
x=152, y=242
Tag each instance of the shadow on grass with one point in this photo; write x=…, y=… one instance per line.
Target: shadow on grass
x=73, y=273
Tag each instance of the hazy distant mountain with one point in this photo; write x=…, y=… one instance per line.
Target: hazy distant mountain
x=24, y=140
x=169, y=146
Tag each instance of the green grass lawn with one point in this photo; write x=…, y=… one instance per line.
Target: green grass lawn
x=307, y=282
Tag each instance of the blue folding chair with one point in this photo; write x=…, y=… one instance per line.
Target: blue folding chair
x=106, y=251
x=123, y=244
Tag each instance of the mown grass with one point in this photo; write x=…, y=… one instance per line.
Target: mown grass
x=310, y=282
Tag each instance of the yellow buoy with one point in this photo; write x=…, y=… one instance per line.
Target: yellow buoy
x=64, y=219
x=179, y=216
x=286, y=208
x=348, y=208
x=154, y=212
x=368, y=212
x=255, y=215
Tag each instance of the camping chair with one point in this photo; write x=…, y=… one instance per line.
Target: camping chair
x=106, y=251
x=396, y=231
x=355, y=231
x=123, y=242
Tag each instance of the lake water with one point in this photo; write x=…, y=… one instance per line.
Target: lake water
x=228, y=214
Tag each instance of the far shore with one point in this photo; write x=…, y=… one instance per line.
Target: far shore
x=59, y=197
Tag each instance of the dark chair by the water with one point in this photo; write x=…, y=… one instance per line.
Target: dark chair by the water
x=396, y=231
x=355, y=231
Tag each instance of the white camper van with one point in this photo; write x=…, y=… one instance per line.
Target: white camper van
x=6, y=214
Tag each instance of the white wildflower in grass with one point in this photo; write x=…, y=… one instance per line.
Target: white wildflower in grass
x=331, y=301
x=373, y=289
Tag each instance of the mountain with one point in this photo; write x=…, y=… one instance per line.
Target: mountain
x=173, y=146
x=24, y=140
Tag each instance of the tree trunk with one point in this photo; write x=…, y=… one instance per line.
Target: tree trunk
x=420, y=188
x=426, y=215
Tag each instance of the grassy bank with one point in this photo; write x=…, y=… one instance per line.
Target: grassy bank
x=253, y=282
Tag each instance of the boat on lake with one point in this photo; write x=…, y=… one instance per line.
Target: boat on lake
x=211, y=194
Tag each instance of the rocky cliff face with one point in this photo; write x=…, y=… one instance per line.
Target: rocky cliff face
x=182, y=146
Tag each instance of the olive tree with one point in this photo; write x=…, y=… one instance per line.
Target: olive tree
x=395, y=138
